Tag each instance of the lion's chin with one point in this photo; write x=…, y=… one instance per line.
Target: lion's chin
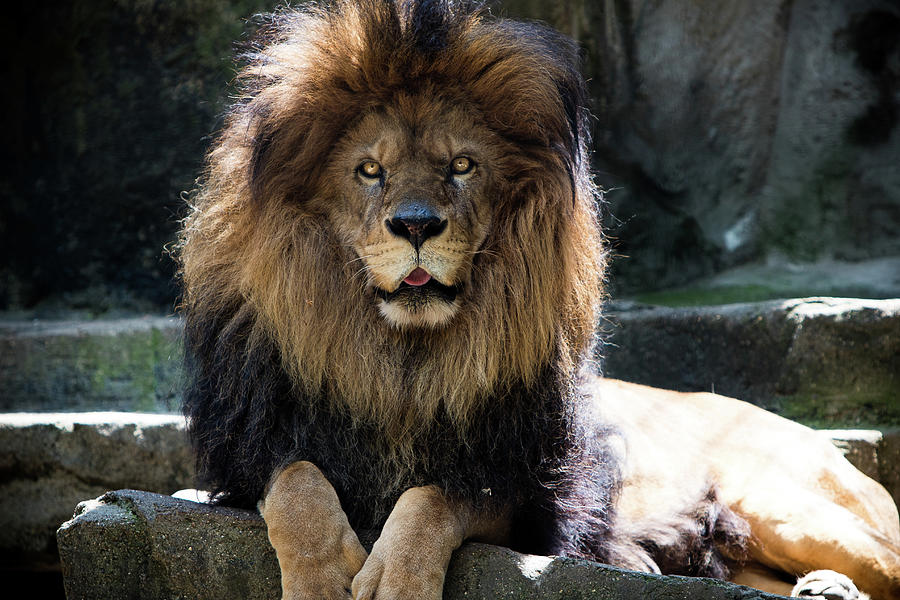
x=435, y=314
x=429, y=305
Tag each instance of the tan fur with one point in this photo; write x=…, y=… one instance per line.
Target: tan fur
x=320, y=555
x=807, y=507
x=317, y=550
x=410, y=558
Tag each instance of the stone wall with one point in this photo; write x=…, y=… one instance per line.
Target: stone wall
x=52, y=461
x=741, y=131
x=823, y=361
x=725, y=134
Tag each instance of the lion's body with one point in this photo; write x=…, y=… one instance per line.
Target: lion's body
x=392, y=273
x=807, y=507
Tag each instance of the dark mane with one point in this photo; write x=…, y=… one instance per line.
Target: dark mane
x=525, y=443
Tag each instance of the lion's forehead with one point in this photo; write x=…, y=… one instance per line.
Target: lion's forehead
x=433, y=133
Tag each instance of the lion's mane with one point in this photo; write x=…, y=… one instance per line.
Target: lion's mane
x=288, y=359
x=250, y=241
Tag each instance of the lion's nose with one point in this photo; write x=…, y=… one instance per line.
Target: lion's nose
x=416, y=222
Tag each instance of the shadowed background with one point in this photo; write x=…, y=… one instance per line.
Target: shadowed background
x=728, y=135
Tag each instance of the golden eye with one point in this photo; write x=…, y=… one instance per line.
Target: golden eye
x=461, y=165
x=370, y=169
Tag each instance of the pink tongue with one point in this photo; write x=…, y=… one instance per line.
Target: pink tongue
x=418, y=277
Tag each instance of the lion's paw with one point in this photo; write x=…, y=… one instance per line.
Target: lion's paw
x=321, y=575
x=829, y=585
x=327, y=582
x=390, y=577
x=318, y=551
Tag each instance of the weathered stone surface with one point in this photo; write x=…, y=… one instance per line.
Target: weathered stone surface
x=824, y=361
x=875, y=453
x=482, y=572
x=859, y=446
x=782, y=144
x=51, y=462
x=831, y=185
x=118, y=364
x=136, y=545
x=889, y=463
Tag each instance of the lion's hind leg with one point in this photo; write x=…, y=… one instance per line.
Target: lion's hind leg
x=798, y=531
x=318, y=551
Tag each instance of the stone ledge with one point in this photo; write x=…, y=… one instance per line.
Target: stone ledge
x=110, y=364
x=829, y=362
x=825, y=361
x=130, y=544
x=53, y=461
x=50, y=462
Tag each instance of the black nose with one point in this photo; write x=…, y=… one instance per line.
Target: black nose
x=416, y=222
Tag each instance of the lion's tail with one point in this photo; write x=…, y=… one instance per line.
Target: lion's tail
x=709, y=540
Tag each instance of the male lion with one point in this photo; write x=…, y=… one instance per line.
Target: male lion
x=392, y=273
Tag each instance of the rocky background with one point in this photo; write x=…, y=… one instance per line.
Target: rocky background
x=109, y=109
x=749, y=151
x=727, y=134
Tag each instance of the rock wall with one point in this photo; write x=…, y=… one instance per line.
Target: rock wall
x=51, y=462
x=107, y=118
x=823, y=361
x=728, y=132
x=725, y=132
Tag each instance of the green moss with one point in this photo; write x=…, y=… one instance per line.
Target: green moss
x=132, y=370
x=699, y=296
x=806, y=219
x=875, y=410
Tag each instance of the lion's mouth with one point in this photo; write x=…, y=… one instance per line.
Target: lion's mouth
x=419, y=287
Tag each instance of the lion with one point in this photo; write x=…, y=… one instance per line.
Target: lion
x=392, y=273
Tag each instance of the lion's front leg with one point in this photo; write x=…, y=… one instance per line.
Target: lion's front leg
x=317, y=550
x=410, y=558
